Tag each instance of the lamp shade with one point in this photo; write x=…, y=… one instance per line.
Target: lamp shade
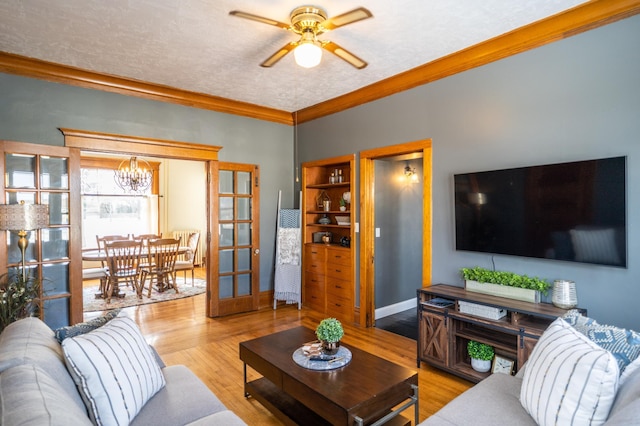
x=23, y=217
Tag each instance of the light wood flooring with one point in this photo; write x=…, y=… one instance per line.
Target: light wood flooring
x=182, y=334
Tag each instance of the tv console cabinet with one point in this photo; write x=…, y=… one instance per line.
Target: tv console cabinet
x=444, y=331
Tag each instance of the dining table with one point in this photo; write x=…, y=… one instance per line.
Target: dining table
x=99, y=255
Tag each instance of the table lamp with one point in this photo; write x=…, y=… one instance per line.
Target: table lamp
x=22, y=218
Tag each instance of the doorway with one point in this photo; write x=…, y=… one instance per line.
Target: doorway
x=401, y=155
x=79, y=140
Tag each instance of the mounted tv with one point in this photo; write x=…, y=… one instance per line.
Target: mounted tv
x=570, y=211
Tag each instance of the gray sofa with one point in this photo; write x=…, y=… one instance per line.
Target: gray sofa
x=495, y=401
x=37, y=389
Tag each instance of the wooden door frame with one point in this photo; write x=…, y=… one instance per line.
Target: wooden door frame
x=367, y=220
x=214, y=306
x=83, y=140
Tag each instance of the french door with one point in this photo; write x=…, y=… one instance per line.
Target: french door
x=236, y=247
x=42, y=174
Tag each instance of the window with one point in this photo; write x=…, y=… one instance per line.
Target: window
x=108, y=210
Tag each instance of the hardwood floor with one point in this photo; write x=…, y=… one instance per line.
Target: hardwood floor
x=182, y=334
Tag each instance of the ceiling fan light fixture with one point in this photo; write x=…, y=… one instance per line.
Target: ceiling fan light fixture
x=308, y=53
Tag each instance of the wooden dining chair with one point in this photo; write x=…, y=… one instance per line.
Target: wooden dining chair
x=123, y=258
x=101, y=240
x=145, y=238
x=161, y=259
x=188, y=264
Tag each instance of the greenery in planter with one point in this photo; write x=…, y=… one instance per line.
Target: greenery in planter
x=19, y=297
x=343, y=202
x=479, y=350
x=511, y=279
x=329, y=330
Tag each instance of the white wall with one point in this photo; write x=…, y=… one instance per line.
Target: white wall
x=183, y=196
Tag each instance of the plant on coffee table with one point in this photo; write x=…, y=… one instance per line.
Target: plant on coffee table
x=329, y=332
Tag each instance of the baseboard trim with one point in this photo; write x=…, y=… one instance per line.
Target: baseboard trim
x=385, y=311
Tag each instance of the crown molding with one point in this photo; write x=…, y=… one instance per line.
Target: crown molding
x=36, y=68
x=574, y=21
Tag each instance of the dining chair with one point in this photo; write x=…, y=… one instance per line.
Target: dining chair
x=145, y=238
x=161, y=259
x=188, y=263
x=101, y=240
x=96, y=273
x=123, y=258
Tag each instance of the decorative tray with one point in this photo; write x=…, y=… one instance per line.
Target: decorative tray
x=313, y=359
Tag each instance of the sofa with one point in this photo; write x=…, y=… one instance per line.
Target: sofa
x=42, y=382
x=551, y=388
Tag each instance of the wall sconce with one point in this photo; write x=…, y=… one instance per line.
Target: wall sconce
x=410, y=174
x=22, y=218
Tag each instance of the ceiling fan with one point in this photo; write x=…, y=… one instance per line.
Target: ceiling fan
x=309, y=22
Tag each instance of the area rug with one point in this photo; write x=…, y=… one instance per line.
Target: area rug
x=91, y=304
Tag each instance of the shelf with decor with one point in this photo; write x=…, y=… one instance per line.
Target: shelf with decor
x=511, y=327
x=329, y=274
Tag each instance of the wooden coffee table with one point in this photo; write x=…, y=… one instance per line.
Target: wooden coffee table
x=363, y=392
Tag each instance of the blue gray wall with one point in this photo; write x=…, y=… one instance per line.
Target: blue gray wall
x=33, y=110
x=575, y=99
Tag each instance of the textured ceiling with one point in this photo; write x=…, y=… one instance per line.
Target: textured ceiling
x=195, y=45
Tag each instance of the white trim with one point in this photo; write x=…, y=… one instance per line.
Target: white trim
x=385, y=311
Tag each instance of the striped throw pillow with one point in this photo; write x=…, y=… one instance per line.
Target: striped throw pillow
x=569, y=380
x=114, y=369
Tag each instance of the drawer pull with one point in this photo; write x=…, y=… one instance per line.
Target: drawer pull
x=338, y=270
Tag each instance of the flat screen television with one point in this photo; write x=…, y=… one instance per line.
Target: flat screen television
x=569, y=211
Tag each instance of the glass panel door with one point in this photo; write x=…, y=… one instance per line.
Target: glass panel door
x=238, y=240
x=36, y=174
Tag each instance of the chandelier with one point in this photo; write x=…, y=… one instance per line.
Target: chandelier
x=133, y=177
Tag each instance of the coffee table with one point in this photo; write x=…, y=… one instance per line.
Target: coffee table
x=363, y=392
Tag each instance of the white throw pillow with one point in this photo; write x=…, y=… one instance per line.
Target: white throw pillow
x=569, y=380
x=115, y=371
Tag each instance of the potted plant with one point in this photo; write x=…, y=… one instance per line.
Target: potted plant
x=19, y=297
x=343, y=204
x=504, y=284
x=329, y=332
x=481, y=355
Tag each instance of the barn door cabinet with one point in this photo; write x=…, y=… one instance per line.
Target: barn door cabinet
x=444, y=331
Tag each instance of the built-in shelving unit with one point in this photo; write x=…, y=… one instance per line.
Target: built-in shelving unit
x=329, y=274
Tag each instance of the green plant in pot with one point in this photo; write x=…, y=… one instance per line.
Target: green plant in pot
x=343, y=204
x=19, y=297
x=329, y=332
x=510, y=279
x=481, y=355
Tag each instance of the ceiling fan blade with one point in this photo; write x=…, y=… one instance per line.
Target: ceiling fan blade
x=271, y=60
x=344, y=54
x=257, y=18
x=346, y=18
